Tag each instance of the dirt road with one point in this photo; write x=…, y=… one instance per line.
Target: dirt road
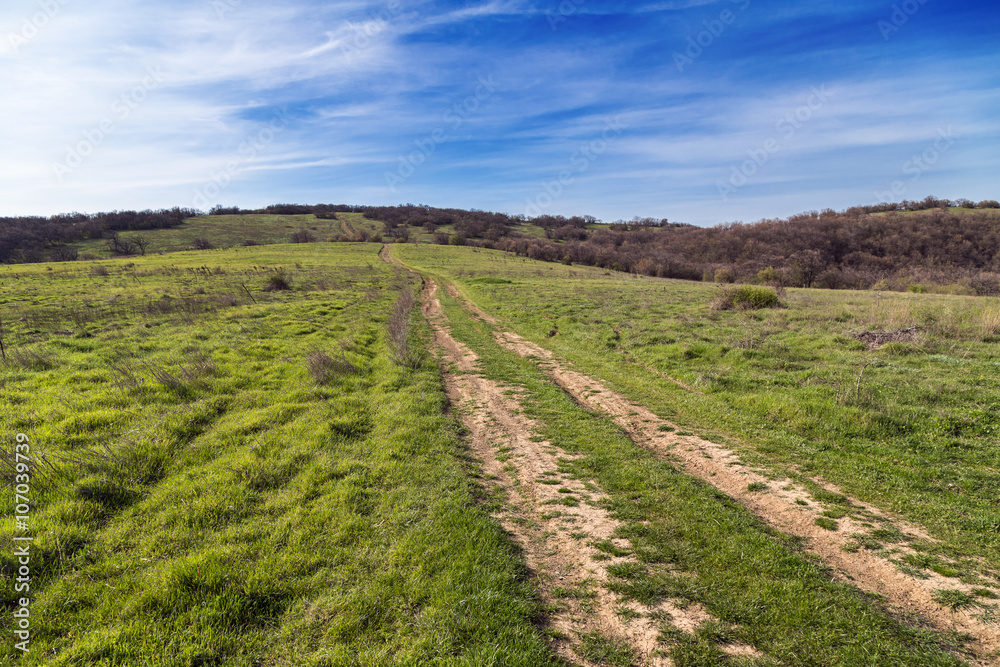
x=522, y=467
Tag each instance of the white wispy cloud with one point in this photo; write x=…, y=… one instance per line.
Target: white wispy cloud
x=360, y=82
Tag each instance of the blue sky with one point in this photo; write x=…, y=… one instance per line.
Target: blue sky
x=700, y=111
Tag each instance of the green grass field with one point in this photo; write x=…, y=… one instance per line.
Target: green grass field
x=234, y=462
x=244, y=477
x=231, y=231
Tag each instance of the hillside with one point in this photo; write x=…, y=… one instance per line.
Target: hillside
x=925, y=246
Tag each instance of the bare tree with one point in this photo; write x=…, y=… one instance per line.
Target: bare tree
x=141, y=242
x=119, y=246
x=66, y=253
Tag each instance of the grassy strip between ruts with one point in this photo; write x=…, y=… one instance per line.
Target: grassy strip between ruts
x=254, y=504
x=762, y=590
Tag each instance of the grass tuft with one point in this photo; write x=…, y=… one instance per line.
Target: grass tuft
x=399, y=332
x=954, y=599
x=746, y=297
x=278, y=281
x=324, y=368
x=826, y=523
x=604, y=651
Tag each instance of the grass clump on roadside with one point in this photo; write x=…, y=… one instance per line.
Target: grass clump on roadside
x=399, y=328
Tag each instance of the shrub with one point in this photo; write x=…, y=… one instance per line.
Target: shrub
x=399, y=332
x=65, y=253
x=303, y=236
x=770, y=276
x=250, y=242
x=202, y=244
x=325, y=368
x=985, y=284
x=279, y=280
x=723, y=276
x=829, y=279
x=747, y=297
x=988, y=203
x=882, y=285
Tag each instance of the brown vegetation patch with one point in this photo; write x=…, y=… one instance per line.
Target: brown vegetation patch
x=876, y=339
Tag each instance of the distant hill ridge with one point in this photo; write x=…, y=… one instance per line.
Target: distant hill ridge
x=933, y=244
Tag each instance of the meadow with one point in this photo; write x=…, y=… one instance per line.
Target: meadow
x=689, y=545
x=232, y=231
x=246, y=456
x=234, y=464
